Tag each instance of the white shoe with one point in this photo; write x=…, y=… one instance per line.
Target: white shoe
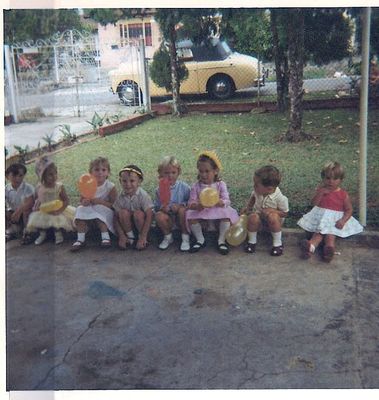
x=58, y=237
x=185, y=246
x=41, y=238
x=167, y=240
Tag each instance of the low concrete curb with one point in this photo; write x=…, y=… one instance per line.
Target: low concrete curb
x=367, y=238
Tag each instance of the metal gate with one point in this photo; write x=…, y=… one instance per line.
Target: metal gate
x=35, y=70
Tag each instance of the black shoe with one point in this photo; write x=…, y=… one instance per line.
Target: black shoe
x=196, y=247
x=223, y=249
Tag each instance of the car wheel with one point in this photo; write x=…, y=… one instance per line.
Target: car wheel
x=128, y=93
x=221, y=87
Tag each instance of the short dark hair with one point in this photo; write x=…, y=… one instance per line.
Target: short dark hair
x=15, y=168
x=268, y=175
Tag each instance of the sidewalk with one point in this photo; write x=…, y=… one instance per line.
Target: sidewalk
x=31, y=133
x=107, y=319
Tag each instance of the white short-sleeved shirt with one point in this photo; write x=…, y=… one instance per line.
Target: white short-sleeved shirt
x=275, y=200
x=15, y=197
x=141, y=200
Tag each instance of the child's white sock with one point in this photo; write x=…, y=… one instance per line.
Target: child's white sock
x=276, y=238
x=130, y=236
x=198, y=233
x=105, y=236
x=224, y=226
x=252, y=237
x=81, y=237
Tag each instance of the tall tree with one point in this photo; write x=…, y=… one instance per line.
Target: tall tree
x=279, y=45
x=295, y=28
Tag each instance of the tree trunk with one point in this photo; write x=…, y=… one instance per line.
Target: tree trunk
x=281, y=63
x=296, y=64
x=176, y=101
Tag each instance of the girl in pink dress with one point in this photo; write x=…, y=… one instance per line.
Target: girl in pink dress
x=209, y=167
x=331, y=215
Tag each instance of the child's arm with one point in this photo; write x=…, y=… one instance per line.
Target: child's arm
x=142, y=237
x=62, y=196
x=280, y=213
x=249, y=205
x=347, y=213
x=193, y=202
x=112, y=198
x=25, y=206
x=224, y=196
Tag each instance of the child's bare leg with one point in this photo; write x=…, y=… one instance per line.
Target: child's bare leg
x=81, y=228
x=275, y=226
x=164, y=222
x=105, y=238
x=329, y=246
x=124, y=226
x=181, y=218
x=308, y=247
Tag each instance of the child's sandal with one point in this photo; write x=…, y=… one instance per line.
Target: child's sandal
x=76, y=246
x=223, y=249
x=27, y=239
x=105, y=243
x=277, y=251
x=196, y=247
x=250, y=248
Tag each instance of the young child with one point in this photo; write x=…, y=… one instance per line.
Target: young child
x=133, y=209
x=175, y=212
x=98, y=209
x=331, y=215
x=209, y=166
x=48, y=190
x=267, y=207
x=19, y=200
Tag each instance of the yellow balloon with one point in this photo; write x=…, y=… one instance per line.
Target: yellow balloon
x=51, y=206
x=209, y=197
x=237, y=233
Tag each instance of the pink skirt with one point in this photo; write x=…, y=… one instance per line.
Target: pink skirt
x=214, y=213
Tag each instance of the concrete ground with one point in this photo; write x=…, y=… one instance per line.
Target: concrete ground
x=107, y=319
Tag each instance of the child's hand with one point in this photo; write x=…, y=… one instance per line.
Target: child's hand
x=141, y=243
x=15, y=217
x=175, y=208
x=220, y=204
x=85, y=202
x=340, y=224
x=199, y=207
x=165, y=209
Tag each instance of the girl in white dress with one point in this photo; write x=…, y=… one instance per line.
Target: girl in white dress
x=59, y=215
x=331, y=215
x=98, y=209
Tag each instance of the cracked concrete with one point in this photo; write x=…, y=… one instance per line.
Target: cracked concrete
x=168, y=320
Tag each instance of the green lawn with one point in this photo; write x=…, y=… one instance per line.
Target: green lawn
x=244, y=143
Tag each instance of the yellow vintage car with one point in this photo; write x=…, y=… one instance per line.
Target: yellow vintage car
x=214, y=69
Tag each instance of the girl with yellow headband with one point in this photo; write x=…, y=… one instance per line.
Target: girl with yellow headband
x=209, y=201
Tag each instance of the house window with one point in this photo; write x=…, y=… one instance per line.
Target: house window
x=130, y=34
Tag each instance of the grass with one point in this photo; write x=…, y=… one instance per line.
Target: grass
x=244, y=142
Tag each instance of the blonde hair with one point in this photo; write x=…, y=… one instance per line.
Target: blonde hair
x=99, y=161
x=169, y=160
x=332, y=169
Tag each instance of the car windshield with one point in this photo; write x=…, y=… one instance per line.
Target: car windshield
x=224, y=49
x=219, y=51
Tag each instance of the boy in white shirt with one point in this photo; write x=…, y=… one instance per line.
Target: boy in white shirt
x=267, y=207
x=19, y=201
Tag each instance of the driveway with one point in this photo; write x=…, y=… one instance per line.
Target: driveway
x=106, y=319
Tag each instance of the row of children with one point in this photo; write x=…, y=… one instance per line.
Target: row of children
x=129, y=215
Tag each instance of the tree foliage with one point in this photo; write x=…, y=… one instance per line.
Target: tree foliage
x=160, y=71
x=32, y=24
x=247, y=30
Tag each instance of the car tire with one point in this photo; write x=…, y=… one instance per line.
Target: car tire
x=128, y=93
x=221, y=87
